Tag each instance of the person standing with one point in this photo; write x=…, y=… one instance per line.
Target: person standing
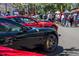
x=75, y=18
x=66, y=20
x=1, y=14
x=49, y=16
x=41, y=16
x=8, y=13
x=71, y=20
x=22, y=13
x=62, y=20
x=26, y=14
x=44, y=16
x=16, y=13
x=58, y=18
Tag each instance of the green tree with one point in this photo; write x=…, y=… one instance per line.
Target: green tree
x=43, y=7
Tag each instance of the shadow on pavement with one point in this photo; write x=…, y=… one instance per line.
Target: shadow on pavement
x=70, y=52
x=58, y=50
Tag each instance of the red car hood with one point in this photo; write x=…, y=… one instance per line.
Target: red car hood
x=5, y=51
x=42, y=23
x=45, y=22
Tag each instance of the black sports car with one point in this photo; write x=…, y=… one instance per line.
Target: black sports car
x=14, y=34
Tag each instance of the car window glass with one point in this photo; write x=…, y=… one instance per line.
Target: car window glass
x=27, y=20
x=5, y=26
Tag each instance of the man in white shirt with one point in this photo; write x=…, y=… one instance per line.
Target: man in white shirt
x=49, y=16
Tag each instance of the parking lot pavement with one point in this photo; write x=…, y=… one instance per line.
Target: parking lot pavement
x=69, y=40
x=69, y=37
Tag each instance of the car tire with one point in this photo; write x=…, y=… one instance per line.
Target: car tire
x=50, y=43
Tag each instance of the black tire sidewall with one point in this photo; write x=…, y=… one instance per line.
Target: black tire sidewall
x=53, y=47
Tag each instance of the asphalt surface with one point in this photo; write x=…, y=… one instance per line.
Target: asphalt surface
x=69, y=40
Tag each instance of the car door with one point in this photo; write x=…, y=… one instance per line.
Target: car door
x=4, y=35
x=32, y=39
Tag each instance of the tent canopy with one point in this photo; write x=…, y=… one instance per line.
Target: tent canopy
x=57, y=12
x=66, y=11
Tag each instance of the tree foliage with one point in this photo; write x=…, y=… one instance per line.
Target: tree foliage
x=43, y=7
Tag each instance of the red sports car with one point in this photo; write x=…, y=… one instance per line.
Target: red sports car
x=6, y=51
x=28, y=21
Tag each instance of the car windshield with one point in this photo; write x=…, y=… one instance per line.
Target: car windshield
x=25, y=20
